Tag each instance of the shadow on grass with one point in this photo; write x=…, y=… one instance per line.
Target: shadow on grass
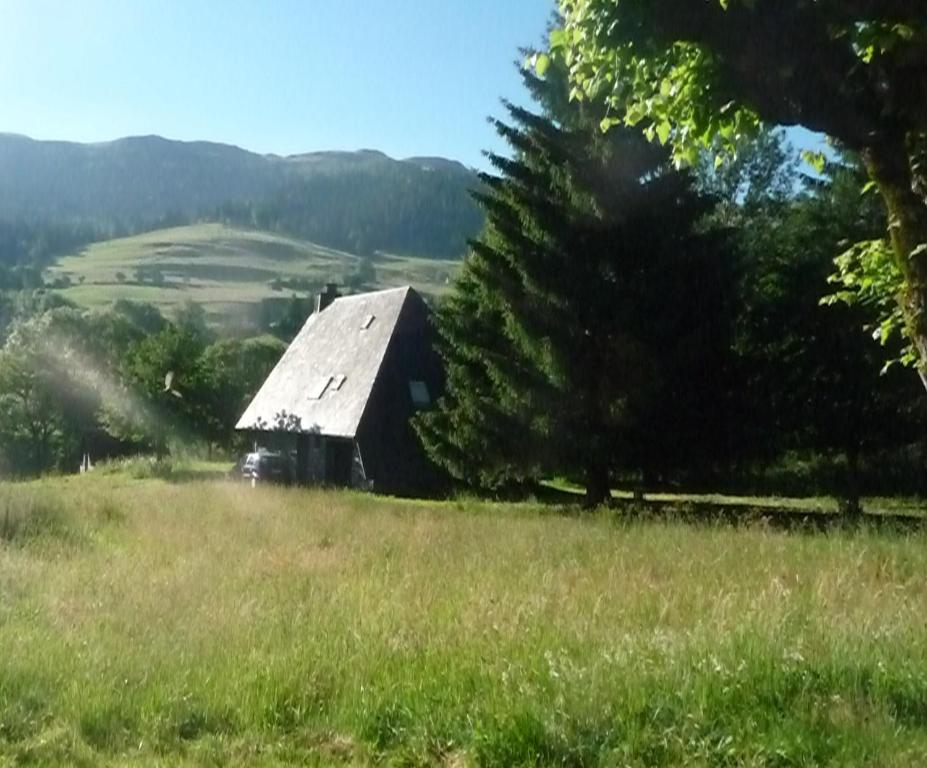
x=730, y=512
x=555, y=500
x=737, y=514
x=789, y=514
x=181, y=476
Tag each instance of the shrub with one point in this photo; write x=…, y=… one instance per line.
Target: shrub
x=139, y=467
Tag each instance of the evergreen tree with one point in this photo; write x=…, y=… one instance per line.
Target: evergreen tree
x=588, y=331
x=471, y=434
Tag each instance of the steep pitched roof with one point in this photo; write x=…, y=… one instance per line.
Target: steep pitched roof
x=340, y=341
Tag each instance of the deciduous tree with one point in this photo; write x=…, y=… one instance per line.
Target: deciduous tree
x=695, y=72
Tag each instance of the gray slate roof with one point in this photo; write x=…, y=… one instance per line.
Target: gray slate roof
x=332, y=344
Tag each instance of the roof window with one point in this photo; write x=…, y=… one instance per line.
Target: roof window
x=368, y=321
x=318, y=387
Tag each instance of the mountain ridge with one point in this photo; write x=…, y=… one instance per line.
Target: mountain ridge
x=361, y=200
x=156, y=138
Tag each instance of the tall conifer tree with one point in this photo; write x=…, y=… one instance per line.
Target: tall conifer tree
x=590, y=316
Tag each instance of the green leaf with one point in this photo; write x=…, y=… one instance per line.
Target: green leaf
x=541, y=64
x=663, y=132
x=608, y=122
x=817, y=160
x=635, y=114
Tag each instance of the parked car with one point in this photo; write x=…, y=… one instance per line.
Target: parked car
x=267, y=467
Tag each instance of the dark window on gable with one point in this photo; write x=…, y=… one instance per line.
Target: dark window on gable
x=420, y=395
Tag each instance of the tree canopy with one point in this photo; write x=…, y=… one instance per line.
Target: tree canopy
x=74, y=381
x=707, y=74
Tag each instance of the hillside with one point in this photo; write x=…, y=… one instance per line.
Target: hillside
x=361, y=201
x=229, y=270
x=129, y=180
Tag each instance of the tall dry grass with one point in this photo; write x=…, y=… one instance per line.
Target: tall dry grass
x=209, y=623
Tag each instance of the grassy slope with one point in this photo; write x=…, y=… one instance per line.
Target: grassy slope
x=155, y=624
x=224, y=268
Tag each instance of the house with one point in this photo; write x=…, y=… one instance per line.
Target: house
x=342, y=396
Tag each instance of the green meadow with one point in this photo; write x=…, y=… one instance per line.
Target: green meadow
x=226, y=269
x=157, y=622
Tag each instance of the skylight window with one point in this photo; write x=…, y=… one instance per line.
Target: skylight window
x=368, y=321
x=318, y=387
x=419, y=392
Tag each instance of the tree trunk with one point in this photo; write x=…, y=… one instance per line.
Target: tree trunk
x=160, y=440
x=598, y=490
x=888, y=164
x=646, y=481
x=922, y=475
x=851, y=504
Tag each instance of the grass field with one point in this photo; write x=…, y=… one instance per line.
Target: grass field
x=149, y=623
x=224, y=268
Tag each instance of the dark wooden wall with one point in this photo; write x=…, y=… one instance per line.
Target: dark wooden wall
x=392, y=454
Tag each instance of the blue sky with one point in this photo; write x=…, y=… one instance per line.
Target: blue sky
x=409, y=77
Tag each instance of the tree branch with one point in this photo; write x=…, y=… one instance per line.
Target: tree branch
x=891, y=11
x=784, y=62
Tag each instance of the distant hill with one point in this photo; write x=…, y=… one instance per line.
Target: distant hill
x=242, y=277
x=359, y=201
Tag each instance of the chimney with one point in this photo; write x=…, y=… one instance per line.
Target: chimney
x=327, y=296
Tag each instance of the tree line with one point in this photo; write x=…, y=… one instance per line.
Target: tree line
x=698, y=76
x=76, y=382
x=27, y=247
x=623, y=319
x=396, y=207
